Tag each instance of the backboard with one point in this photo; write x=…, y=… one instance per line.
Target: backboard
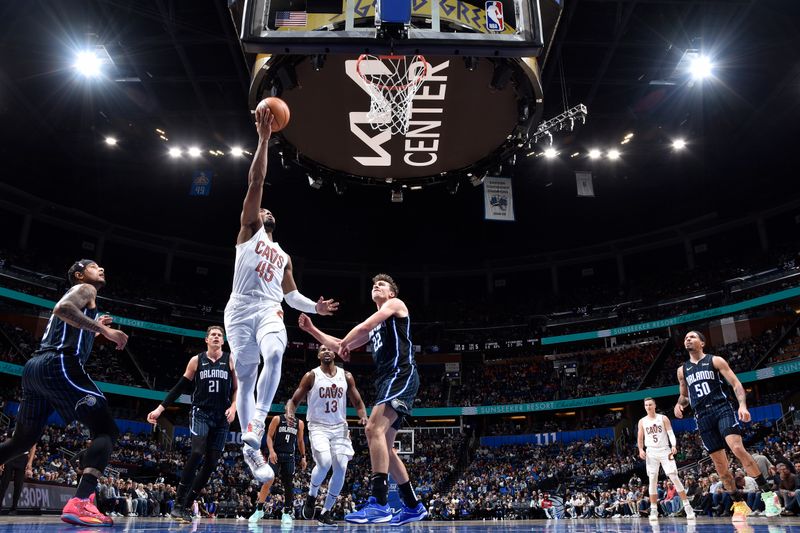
x=500, y=28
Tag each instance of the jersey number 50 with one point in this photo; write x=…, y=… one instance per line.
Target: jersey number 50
x=701, y=389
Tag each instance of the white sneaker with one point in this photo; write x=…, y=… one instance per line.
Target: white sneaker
x=254, y=434
x=286, y=520
x=258, y=466
x=257, y=515
x=653, y=514
x=689, y=512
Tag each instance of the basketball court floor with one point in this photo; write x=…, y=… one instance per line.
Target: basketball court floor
x=21, y=524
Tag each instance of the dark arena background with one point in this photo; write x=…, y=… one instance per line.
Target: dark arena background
x=574, y=186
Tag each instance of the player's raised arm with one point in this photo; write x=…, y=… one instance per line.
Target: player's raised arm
x=329, y=341
x=683, y=398
x=300, y=302
x=250, y=220
x=355, y=398
x=738, y=389
x=359, y=335
x=299, y=395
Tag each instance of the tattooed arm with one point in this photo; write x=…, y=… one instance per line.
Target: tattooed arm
x=70, y=310
x=738, y=389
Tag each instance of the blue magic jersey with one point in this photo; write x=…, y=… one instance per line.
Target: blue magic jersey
x=392, y=350
x=62, y=338
x=213, y=383
x=706, y=385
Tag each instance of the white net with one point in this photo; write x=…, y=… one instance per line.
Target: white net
x=392, y=82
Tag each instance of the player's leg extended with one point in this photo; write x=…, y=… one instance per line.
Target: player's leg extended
x=671, y=469
x=215, y=443
x=651, y=465
x=771, y=506
x=337, y=481
x=412, y=510
x=272, y=347
x=189, y=474
x=261, y=500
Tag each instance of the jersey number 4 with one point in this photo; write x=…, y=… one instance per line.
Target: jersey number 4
x=701, y=389
x=266, y=271
x=331, y=407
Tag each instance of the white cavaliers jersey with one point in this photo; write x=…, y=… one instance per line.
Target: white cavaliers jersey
x=258, y=272
x=655, y=433
x=327, y=399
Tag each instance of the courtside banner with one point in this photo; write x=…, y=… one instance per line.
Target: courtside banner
x=41, y=496
x=498, y=199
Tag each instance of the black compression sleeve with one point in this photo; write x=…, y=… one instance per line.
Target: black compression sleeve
x=183, y=385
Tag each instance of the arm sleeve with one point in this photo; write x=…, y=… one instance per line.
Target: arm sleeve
x=183, y=385
x=672, y=440
x=300, y=302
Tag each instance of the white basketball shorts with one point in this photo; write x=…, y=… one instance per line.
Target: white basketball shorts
x=660, y=457
x=334, y=439
x=247, y=322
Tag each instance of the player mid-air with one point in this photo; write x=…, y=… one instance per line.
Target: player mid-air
x=262, y=279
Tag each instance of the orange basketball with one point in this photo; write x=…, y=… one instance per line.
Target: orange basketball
x=279, y=109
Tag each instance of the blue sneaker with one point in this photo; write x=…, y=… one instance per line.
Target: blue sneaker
x=371, y=513
x=405, y=515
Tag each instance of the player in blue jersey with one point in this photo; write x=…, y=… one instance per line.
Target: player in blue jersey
x=396, y=381
x=55, y=379
x=703, y=388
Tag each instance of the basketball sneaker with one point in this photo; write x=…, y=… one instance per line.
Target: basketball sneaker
x=286, y=519
x=405, y=515
x=772, y=505
x=308, y=507
x=653, y=513
x=326, y=520
x=371, y=513
x=84, y=513
x=257, y=515
x=258, y=466
x=689, y=512
x=740, y=512
x=180, y=514
x=254, y=434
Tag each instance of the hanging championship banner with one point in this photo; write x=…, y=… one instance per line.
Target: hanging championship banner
x=583, y=179
x=498, y=199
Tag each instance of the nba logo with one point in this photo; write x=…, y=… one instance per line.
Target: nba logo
x=494, y=16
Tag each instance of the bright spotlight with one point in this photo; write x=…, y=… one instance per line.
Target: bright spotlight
x=237, y=151
x=88, y=64
x=174, y=152
x=550, y=153
x=700, y=67
x=111, y=141
x=678, y=144
x=594, y=153
x=613, y=155
x=194, y=151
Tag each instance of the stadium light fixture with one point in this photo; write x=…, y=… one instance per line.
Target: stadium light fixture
x=595, y=153
x=701, y=67
x=88, y=64
x=194, y=151
x=613, y=155
x=550, y=153
x=678, y=144
x=175, y=152
x=111, y=141
x=237, y=151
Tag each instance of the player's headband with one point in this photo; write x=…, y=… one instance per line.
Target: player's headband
x=78, y=266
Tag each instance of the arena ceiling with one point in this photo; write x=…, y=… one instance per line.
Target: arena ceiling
x=177, y=67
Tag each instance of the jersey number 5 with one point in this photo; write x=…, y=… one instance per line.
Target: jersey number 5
x=265, y=270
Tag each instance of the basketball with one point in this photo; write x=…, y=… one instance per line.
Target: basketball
x=279, y=110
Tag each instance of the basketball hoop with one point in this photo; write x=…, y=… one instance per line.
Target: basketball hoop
x=391, y=81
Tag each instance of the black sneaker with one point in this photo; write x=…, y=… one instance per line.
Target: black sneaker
x=180, y=514
x=326, y=520
x=308, y=507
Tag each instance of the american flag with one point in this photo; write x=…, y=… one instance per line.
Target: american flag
x=290, y=18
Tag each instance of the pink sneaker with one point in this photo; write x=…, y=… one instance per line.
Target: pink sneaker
x=84, y=513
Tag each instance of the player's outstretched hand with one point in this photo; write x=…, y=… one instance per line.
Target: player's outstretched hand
x=344, y=352
x=678, y=410
x=303, y=463
x=117, y=337
x=326, y=307
x=230, y=414
x=744, y=414
x=264, y=121
x=305, y=323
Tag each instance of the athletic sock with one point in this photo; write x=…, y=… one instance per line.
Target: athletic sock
x=407, y=495
x=86, y=486
x=763, y=484
x=380, y=487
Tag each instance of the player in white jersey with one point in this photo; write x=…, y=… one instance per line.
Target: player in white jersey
x=324, y=390
x=657, y=446
x=262, y=279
